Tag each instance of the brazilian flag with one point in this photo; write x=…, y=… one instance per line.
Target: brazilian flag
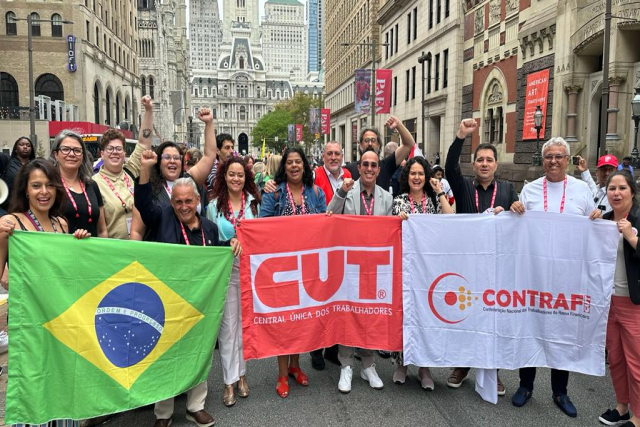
x=100, y=326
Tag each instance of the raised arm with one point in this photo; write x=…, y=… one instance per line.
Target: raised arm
x=452, y=165
x=202, y=169
x=144, y=138
x=143, y=194
x=406, y=139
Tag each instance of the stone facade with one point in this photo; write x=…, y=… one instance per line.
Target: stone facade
x=164, y=66
x=205, y=30
x=284, y=40
x=105, y=86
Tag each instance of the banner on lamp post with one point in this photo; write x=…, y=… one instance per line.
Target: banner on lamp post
x=291, y=133
x=314, y=120
x=537, y=91
x=383, y=91
x=299, y=133
x=362, y=90
x=325, y=120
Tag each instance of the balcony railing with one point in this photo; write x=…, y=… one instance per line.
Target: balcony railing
x=14, y=113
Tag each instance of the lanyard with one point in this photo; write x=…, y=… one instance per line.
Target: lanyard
x=31, y=217
x=166, y=187
x=599, y=202
x=493, y=198
x=128, y=184
x=544, y=192
x=293, y=205
x=73, y=202
x=369, y=209
x=231, y=217
x=184, y=234
x=424, y=204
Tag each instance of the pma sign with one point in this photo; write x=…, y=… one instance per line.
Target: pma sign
x=71, y=54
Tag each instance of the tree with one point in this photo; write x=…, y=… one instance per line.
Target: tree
x=271, y=125
x=40, y=153
x=292, y=111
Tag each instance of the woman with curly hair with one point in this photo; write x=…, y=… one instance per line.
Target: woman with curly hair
x=235, y=197
x=418, y=198
x=295, y=195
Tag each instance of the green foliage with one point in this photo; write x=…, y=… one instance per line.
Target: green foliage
x=292, y=111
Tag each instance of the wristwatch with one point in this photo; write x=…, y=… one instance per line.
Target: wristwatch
x=440, y=194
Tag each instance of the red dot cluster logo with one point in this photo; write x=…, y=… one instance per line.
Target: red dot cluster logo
x=457, y=300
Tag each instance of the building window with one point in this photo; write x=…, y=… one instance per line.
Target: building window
x=96, y=102
x=446, y=8
x=413, y=82
x=395, y=91
x=8, y=91
x=118, y=108
x=10, y=21
x=108, y=107
x=97, y=37
x=437, y=81
x=391, y=42
x=409, y=28
x=406, y=87
x=430, y=13
x=439, y=11
x=243, y=114
x=56, y=25
x=242, y=62
x=429, y=73
x=397, y=31
x=144, y=85
x=51, y=86
x=151, y=87
x=88, y=31
x=386, y=45
x=35, y=25
x=415, y=23
x=445, y=68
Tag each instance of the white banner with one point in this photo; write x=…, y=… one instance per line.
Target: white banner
x=507, y=291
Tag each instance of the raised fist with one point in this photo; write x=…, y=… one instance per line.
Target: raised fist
x=347, y=184
x=205, y=115
x=148, y=158
x=393, y=122
x=436, y=184
x=467, y=127
x=147, y=103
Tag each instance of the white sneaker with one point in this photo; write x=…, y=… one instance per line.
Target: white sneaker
x=4, y=342
x=425, y=379
x=371, y=375
x=344, y=385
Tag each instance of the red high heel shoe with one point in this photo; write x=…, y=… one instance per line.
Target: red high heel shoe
x=300, y=377
x=282, y=387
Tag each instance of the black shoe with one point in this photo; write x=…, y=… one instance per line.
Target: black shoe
x=613, y=418
x=521, y=396
x=317, y=361
x=384, y=354
x=564, y=403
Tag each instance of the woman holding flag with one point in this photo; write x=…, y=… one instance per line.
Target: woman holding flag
x=295, y=195
x=418, y=198
x=236, y=197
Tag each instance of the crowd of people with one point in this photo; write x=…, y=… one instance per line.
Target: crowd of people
x=167, y=195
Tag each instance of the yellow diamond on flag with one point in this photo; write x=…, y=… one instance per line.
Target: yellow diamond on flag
x=124, y=324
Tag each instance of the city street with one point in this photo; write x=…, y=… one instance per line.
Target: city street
x=321, y=403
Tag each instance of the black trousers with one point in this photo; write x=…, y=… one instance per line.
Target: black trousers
x=559, y=380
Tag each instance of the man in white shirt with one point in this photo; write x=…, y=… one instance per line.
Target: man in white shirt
x=560, y=193
x=606, y=164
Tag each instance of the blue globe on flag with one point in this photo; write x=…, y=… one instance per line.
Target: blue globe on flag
x=129, y=322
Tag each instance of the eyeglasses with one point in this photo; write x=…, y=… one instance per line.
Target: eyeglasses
x=370, y=140
x=68, y=150
x=333, y=153
x=111, y=148
x=169, y=157
x=556, y=157
x=365, y=165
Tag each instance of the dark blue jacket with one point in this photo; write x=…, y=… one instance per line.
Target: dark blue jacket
x=274, y=204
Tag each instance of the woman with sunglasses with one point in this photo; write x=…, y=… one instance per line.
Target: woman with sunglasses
x=84, y=206
x=295, y=195
x=170, y=167
x=236, y=197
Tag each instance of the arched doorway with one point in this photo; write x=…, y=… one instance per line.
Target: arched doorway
x=243, y=143
x=51, y=86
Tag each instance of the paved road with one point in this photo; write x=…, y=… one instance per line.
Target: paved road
x=321, y=404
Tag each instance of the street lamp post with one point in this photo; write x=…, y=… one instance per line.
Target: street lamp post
x=537, y=118
x=32, y=90
x=372, y=95
x=635, y=107
x=421, y=60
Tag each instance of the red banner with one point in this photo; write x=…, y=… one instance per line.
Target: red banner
x=383, y=91
x=323, y=287
x=537, y=91
x=325, y=120
x=299, y=133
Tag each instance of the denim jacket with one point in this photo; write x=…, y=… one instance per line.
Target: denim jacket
x=274, y=204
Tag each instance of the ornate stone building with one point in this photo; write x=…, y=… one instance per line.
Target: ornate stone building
x=164, y=65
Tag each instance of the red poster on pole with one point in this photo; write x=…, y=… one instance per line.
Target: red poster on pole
x=537, y=91
x=322, y=288
x=383, y=91
x=299, y=133
x=325, y=120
